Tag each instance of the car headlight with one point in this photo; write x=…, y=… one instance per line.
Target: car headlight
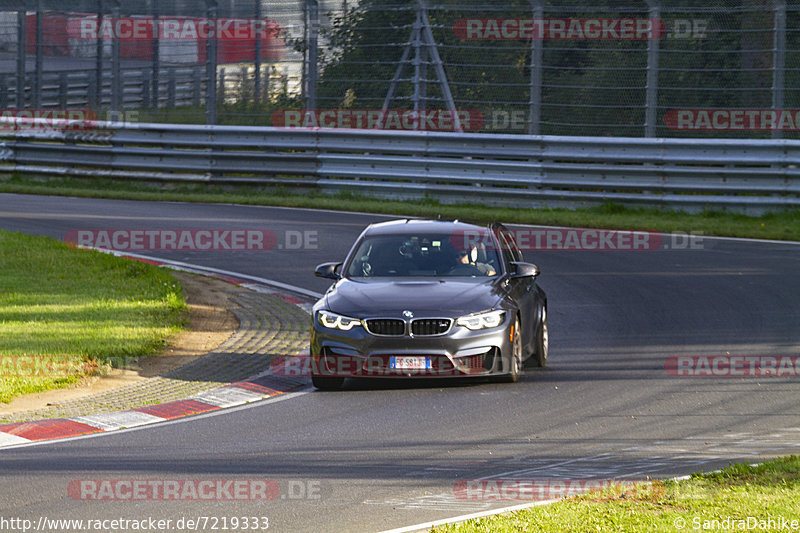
x=485, y=320
x=333, y=321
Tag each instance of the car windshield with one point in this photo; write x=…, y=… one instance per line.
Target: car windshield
x=424, y=255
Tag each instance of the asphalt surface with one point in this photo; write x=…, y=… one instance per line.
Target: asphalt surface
x=382, y=455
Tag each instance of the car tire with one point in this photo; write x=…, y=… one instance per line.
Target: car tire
x=327, y=382
x=516, y=357
x=542, y=341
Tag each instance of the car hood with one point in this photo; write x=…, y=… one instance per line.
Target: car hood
x=384, y=298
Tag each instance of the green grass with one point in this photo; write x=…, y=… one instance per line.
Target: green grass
x=67, y=313
x=768, y=491
x=780, y=225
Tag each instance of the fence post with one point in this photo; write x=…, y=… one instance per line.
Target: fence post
x=778, y=60
x=311, y=71
x=22, y=43
x=257, y=58
x=37, y=84
x=171, y=88
x=537, y=56
x=211, y=63
x=416, y=61
x=63, y=90
x=116, y=73
x=197, y=86
x=653, y=48
x=156, y=44
x=99, y=46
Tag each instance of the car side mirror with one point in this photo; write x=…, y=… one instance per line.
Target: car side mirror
x=524, y=270
x=328, y=270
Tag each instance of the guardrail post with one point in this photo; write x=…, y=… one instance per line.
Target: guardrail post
x=778, y=60
x=22, y=43
x=537, y=56
x=211, y=64
x=653, y=49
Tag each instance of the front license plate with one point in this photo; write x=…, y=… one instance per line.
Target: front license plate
x=409, y=363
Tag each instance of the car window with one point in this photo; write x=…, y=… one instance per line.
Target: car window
x=420, y=255
x=510, y=250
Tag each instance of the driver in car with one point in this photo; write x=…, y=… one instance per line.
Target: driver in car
x=467, y=264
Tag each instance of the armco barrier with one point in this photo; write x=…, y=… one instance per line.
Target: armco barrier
x=521, y=170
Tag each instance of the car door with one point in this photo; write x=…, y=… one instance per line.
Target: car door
x=521, y=290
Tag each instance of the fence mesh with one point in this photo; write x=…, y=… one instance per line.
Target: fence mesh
x=665, y=68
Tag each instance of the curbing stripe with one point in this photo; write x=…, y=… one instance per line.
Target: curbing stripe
x=227, y=397
x=118, y=420
x=177, y=409
x=241, y=392
x=7, y=439
x=49, y=429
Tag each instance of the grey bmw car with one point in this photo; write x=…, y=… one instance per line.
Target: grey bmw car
x=429, y=298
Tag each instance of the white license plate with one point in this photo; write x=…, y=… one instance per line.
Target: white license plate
x=409, y=363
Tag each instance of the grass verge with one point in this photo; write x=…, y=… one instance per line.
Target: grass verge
x=783, y=225
x=67, y=313
x=750, y=498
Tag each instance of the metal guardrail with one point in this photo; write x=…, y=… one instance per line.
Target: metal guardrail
x=518, y=170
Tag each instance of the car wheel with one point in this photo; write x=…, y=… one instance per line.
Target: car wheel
x=542, y=341
x=327, y=382
x=516, y=357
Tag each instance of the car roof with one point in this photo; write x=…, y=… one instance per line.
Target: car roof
x=423, y=225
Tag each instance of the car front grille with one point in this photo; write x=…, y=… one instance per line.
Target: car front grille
x=430, y=326
x=395, y=327
x=386, y=326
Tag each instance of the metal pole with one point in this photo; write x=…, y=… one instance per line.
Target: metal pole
x=98, y=69
x=651, y=96
x=257, y=58
x=22, y=43
x=537, y=55
x=37, y=84
x=116, y=73
x=211, y=64
x=416, y=60
x=156, y=44
x=778, y=60
x=312, y=72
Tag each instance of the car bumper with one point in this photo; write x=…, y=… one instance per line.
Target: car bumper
x=458, y=353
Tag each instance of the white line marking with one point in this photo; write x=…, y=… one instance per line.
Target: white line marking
x=427, y=525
